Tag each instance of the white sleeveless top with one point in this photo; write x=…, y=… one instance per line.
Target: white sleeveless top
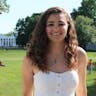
x=55, y=84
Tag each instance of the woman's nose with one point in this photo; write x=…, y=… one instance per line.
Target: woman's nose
x=56, y=28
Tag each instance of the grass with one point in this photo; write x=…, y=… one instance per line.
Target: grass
x=91, y=84
x=11, y=77
x=92, y=55
x=91, y=78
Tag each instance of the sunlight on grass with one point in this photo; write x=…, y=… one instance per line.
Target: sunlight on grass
x=11, y=75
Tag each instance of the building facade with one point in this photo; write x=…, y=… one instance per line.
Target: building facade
x=7, y=41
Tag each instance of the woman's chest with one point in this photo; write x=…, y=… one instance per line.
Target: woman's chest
x=52, y=80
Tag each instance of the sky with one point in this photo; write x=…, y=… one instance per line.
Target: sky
x=22, y=8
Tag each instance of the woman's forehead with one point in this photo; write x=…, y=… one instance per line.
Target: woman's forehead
x=59, y=16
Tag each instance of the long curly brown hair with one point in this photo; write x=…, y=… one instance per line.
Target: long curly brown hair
x=40, y=42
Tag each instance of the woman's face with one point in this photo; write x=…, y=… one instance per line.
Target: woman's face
x=56, y=27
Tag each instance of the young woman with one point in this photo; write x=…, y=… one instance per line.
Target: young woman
x=54, y=65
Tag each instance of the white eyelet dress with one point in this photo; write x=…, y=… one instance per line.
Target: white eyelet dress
x=55, y=84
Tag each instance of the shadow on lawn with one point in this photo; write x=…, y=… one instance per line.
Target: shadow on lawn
x=91, y=90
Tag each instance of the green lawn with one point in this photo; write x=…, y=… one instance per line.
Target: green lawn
x=91, y=84
x=92, y=55
x=91, y=78
x=11, y=77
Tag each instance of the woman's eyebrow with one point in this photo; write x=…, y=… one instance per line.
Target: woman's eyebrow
x=61, y=21
x=50, y=22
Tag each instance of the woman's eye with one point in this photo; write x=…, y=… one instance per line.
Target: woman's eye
x=50, y=24
x=61, y=24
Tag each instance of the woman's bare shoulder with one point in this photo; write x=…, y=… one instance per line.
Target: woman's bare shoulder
x=82, y=55
x=27, y=62
x=81, y=51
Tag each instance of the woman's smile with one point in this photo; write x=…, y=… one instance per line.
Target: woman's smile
x=56, y=27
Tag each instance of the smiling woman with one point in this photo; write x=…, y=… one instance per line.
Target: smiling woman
x=54, y=64
x=56, y=27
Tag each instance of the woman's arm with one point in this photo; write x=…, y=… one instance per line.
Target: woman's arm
x=82, y=65
x=27, y=77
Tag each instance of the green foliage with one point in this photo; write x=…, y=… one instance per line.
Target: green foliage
x=24, y=28
x=4, y=7
x=10, y=33
x=85, y=30
x=88, y=8
x=85, y=18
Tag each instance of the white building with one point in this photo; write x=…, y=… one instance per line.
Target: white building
x=7, y=41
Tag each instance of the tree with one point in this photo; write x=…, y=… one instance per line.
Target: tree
x=10, y=33
x=85, y=19
x=85, y=30
x=24, y=28
x=20, y=27
x=88, y=8
x=4, y=7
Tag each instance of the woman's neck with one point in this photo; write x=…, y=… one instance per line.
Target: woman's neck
x=56, y=48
